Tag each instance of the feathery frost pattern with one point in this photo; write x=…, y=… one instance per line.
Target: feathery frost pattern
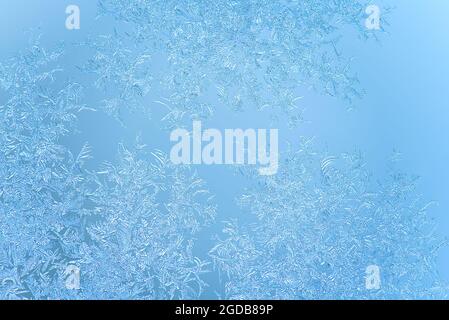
x=147, y=215
x=129, y=228
x=318, y=227
x=41, y=184
x=242, y=53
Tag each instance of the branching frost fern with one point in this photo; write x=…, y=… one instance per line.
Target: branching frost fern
x=318, y=227
x=255, y=53
x=129, y=228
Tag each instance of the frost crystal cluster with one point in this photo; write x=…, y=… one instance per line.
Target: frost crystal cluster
x=41, y=184
x=147, y=215
x=318, y=227
x=129, y=229
x=255, y=53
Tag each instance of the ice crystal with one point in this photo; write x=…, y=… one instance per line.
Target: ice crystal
x=320, y=222
x=41, y=183
x=242, y=52
x=147, y=214
x=124, y=76
x=129, y=229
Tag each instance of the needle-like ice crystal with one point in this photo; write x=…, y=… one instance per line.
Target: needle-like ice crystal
x=320, y=223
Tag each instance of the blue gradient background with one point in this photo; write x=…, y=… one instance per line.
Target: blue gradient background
x=404, y=75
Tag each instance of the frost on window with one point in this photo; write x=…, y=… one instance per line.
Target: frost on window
x=254, y=53
x=320, y=222
x=124, y=232
x=42, y=195
x=147, y=214
x=122, y=75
